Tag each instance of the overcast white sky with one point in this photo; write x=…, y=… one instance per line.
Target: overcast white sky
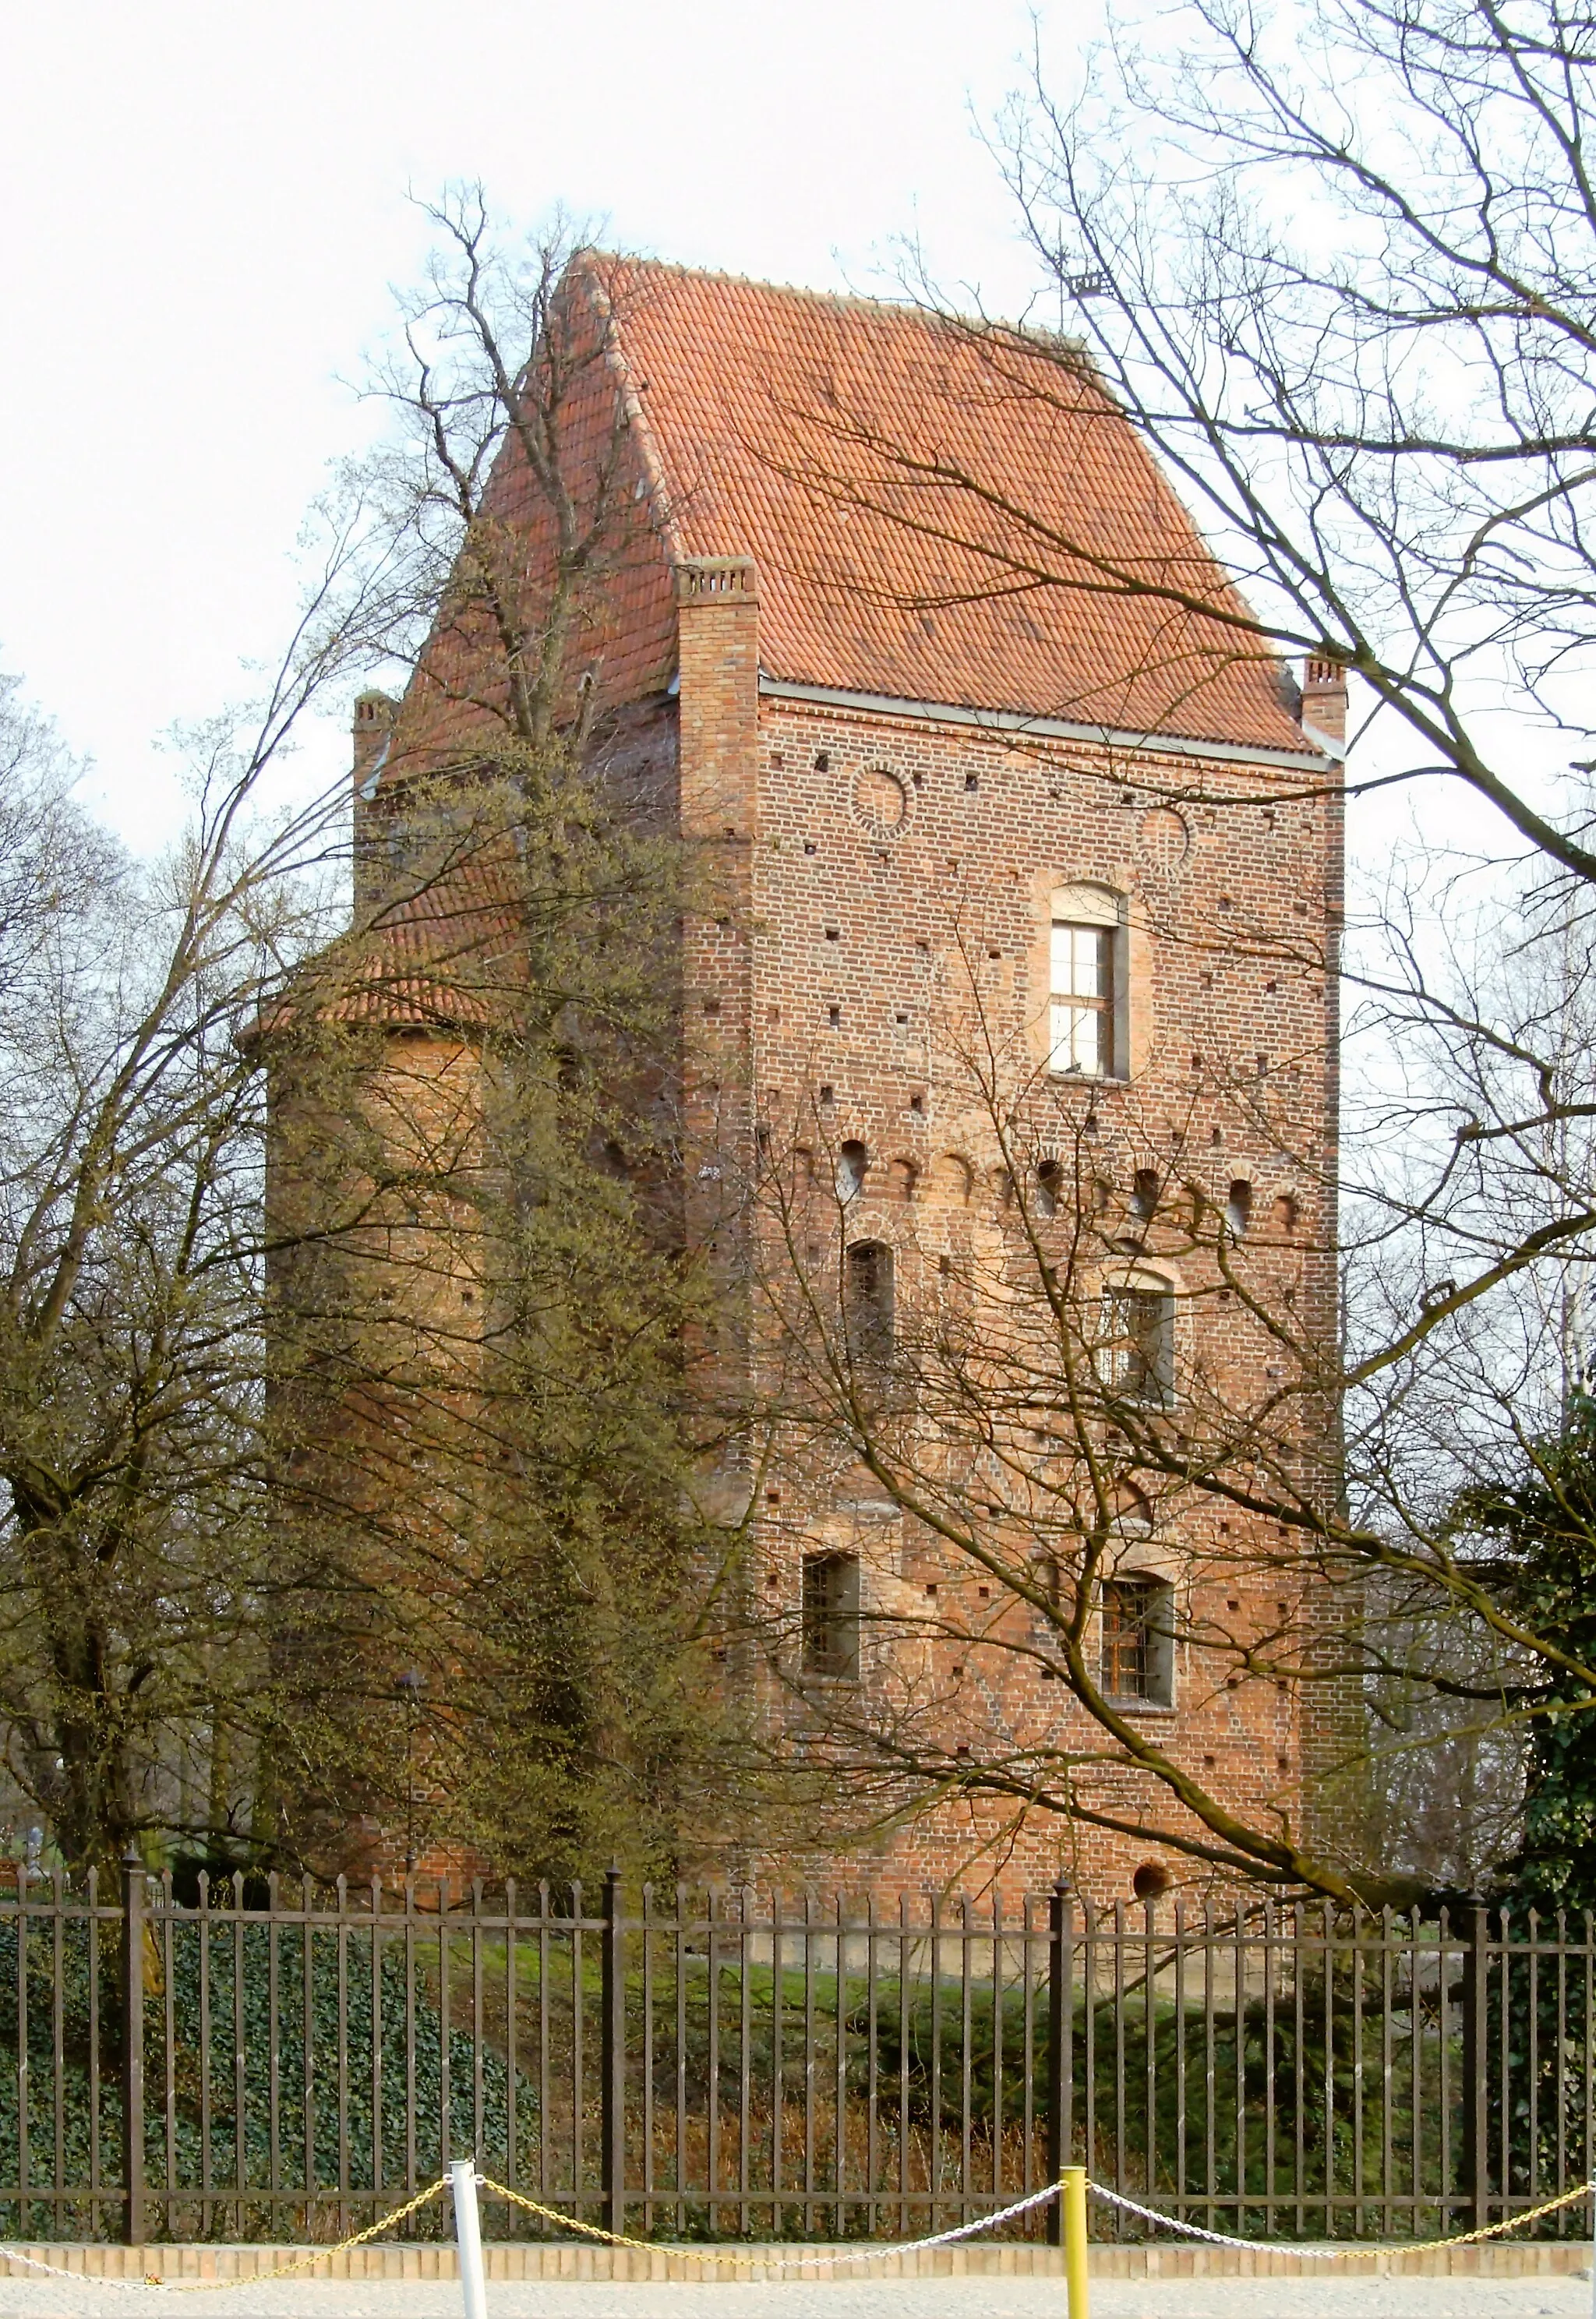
x=203, y=209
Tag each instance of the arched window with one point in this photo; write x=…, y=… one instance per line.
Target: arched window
x=1050, y=1182
x=953, y=1179
x=1144, y=1194
x=1239, y=1208
x=1132, y=1511
x=867, y=1292
x=852, y=1159
x=906, y=1178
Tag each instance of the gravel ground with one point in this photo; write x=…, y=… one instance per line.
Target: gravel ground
x=943, y=2298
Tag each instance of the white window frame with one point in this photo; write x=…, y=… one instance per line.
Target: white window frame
x=1086, y=983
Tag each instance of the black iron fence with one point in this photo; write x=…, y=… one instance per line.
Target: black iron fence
x=258, y=2062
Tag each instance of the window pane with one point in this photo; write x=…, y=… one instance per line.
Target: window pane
x=1082, y=994
x=1126, y=1640
x=1075, y=1044
x=1080, y=963
x=1088, y=963
x=868, y=1288
x=1138, y=1658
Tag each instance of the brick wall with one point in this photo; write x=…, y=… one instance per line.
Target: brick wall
x=898, y=884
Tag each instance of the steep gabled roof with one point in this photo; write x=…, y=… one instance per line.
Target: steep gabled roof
x=939, y=512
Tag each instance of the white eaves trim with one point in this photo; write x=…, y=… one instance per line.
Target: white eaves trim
x=1320, y=758
x=1335, y=750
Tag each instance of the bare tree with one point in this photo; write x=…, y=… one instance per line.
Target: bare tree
x=341, y=1422
x=134, y=1535
x=480, y=1295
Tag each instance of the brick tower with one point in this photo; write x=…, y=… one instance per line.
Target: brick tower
x=1010, y=820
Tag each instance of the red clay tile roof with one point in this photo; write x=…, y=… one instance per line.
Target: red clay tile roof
x=938, y=512
x=447, y=956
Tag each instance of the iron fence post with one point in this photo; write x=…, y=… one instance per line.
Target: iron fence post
x=612, y=2001
x=1060, y=2057
x=1476, y=2107
x=133, y=2049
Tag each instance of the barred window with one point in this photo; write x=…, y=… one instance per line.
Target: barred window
x=830, y=1635
x=1081, y=1028
x=1138, y=1655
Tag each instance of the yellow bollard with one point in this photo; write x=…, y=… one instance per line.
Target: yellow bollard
x=1072, y=2194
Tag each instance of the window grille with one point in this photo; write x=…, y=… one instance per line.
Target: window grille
x=830, y=1614
x=1136, y=1641
x=867, y=1292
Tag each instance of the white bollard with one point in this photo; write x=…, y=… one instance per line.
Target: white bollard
x=468, y=2237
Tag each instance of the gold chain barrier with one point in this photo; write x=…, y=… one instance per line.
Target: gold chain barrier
x=1342, y=2252
x=253, y=2278
x=320, y=2254
x=830, y=2256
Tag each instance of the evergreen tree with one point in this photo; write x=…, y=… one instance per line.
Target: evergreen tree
x=1544, y=1524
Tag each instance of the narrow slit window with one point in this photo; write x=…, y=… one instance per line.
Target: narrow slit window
x=1081, y=1033
x=868, y=1288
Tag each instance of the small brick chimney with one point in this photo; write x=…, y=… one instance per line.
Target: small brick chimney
x=717, y=628
x=374, y=713
x=373, y=730
x=1324, y=699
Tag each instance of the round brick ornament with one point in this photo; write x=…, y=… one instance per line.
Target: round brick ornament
x=880, y=801
x=1164, y=838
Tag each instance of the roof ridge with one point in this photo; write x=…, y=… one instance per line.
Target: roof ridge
x=907, y=308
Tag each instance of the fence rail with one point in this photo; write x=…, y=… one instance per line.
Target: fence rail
x=254, y=2061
